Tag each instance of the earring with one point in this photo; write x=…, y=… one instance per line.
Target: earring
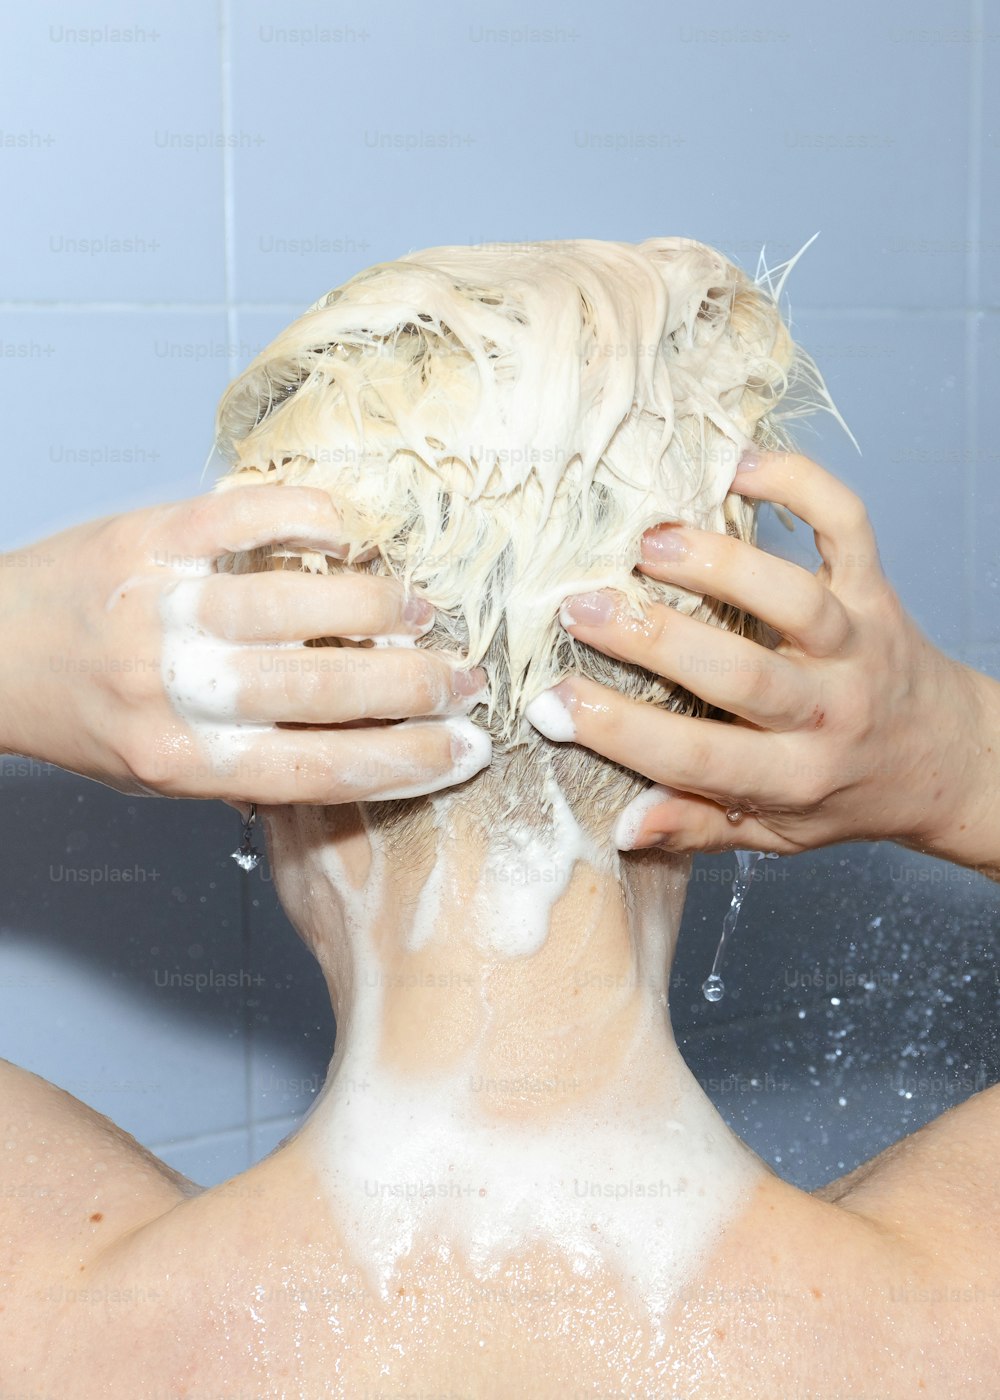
x=248, y=857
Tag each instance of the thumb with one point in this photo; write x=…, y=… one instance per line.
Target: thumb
x=685, y=823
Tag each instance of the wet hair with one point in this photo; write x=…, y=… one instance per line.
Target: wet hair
x=501, y=423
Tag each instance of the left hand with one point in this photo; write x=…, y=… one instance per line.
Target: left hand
x=853, y=727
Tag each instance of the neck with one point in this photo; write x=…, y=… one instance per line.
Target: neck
x=529, y=971
x=505, y=1071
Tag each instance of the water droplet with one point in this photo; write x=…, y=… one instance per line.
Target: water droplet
x=746, y=862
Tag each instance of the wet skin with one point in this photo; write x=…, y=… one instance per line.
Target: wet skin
x=119, y=1278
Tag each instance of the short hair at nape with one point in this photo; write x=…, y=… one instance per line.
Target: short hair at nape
x=501, y=423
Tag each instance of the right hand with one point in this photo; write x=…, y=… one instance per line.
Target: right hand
x=94, y=676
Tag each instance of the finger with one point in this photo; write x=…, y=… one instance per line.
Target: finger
x=790, y=599
x=728, y=763
x=684, y=824
x=244, y=517
x=843, y=532
x=347, y=765
x=341, y=685
x=722, y=668
x=285, y=605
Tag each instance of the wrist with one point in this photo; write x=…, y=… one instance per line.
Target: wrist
x=962, y=823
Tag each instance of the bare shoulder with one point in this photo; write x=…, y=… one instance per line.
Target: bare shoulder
x=71, y=1180
x=937, y=1187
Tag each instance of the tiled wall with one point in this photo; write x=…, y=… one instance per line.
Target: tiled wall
x=179, y=180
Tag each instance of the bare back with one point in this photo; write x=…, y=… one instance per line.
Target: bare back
x=120, y=1278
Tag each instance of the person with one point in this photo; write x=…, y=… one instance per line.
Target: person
x=511, y=1183
x=915, y=739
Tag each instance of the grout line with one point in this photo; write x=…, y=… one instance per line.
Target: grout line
x=198, y=1139
x=140, y=307
x=974, y=207
x=233, y=366
x=973, y=282
x=246, y=946
x=207, y=1139
x=869, y=313
x=228, y=185
x=970, y=484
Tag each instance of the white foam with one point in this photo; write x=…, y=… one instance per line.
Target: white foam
x=550, y=717
x=525, y=871
x=473, y=476
x=200, y=676
x=429, y=906
x=638, y=1178
x=410, y=779
x=644, y=1193
x=632, y=817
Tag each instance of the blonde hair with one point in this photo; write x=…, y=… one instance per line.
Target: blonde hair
x=501, y=423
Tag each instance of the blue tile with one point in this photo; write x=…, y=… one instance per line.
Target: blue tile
x=984, y=658
x=265, y=1137
x=899, y=383
x=122, y=972
x=116, y=411
x=439, y=126
x=985, y=574
x=257, y=327
x=987, y=235
x=816, y=1094
x=208, y=1160
x=291, y=1024
x=114, y=191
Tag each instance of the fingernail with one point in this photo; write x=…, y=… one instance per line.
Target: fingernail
x=592, y=609
x=749, y=462
x=471, y=749
x=549, y=713
x=663, y=544
x=465, y=683
x=628, y=828
x=418, y=612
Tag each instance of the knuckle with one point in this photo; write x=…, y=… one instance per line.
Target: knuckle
x=860, y=717
x=256, y=607
x=204, y=513
x=305, y=688
x=249, y=686
x=853, y=515
x=799, y=464
x=810, y=786
x=427, y=683
x=147, y=763
x=312, y=497
x=758, y=685
x=885, y=606
x=699, y=757
x=244, y=504
x=657, y=625
x=810, y=610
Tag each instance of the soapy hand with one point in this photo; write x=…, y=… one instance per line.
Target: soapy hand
x=131, y=660
x=854, y=726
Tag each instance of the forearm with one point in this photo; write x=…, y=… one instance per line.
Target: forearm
x=966, y=829
x=22, y=617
